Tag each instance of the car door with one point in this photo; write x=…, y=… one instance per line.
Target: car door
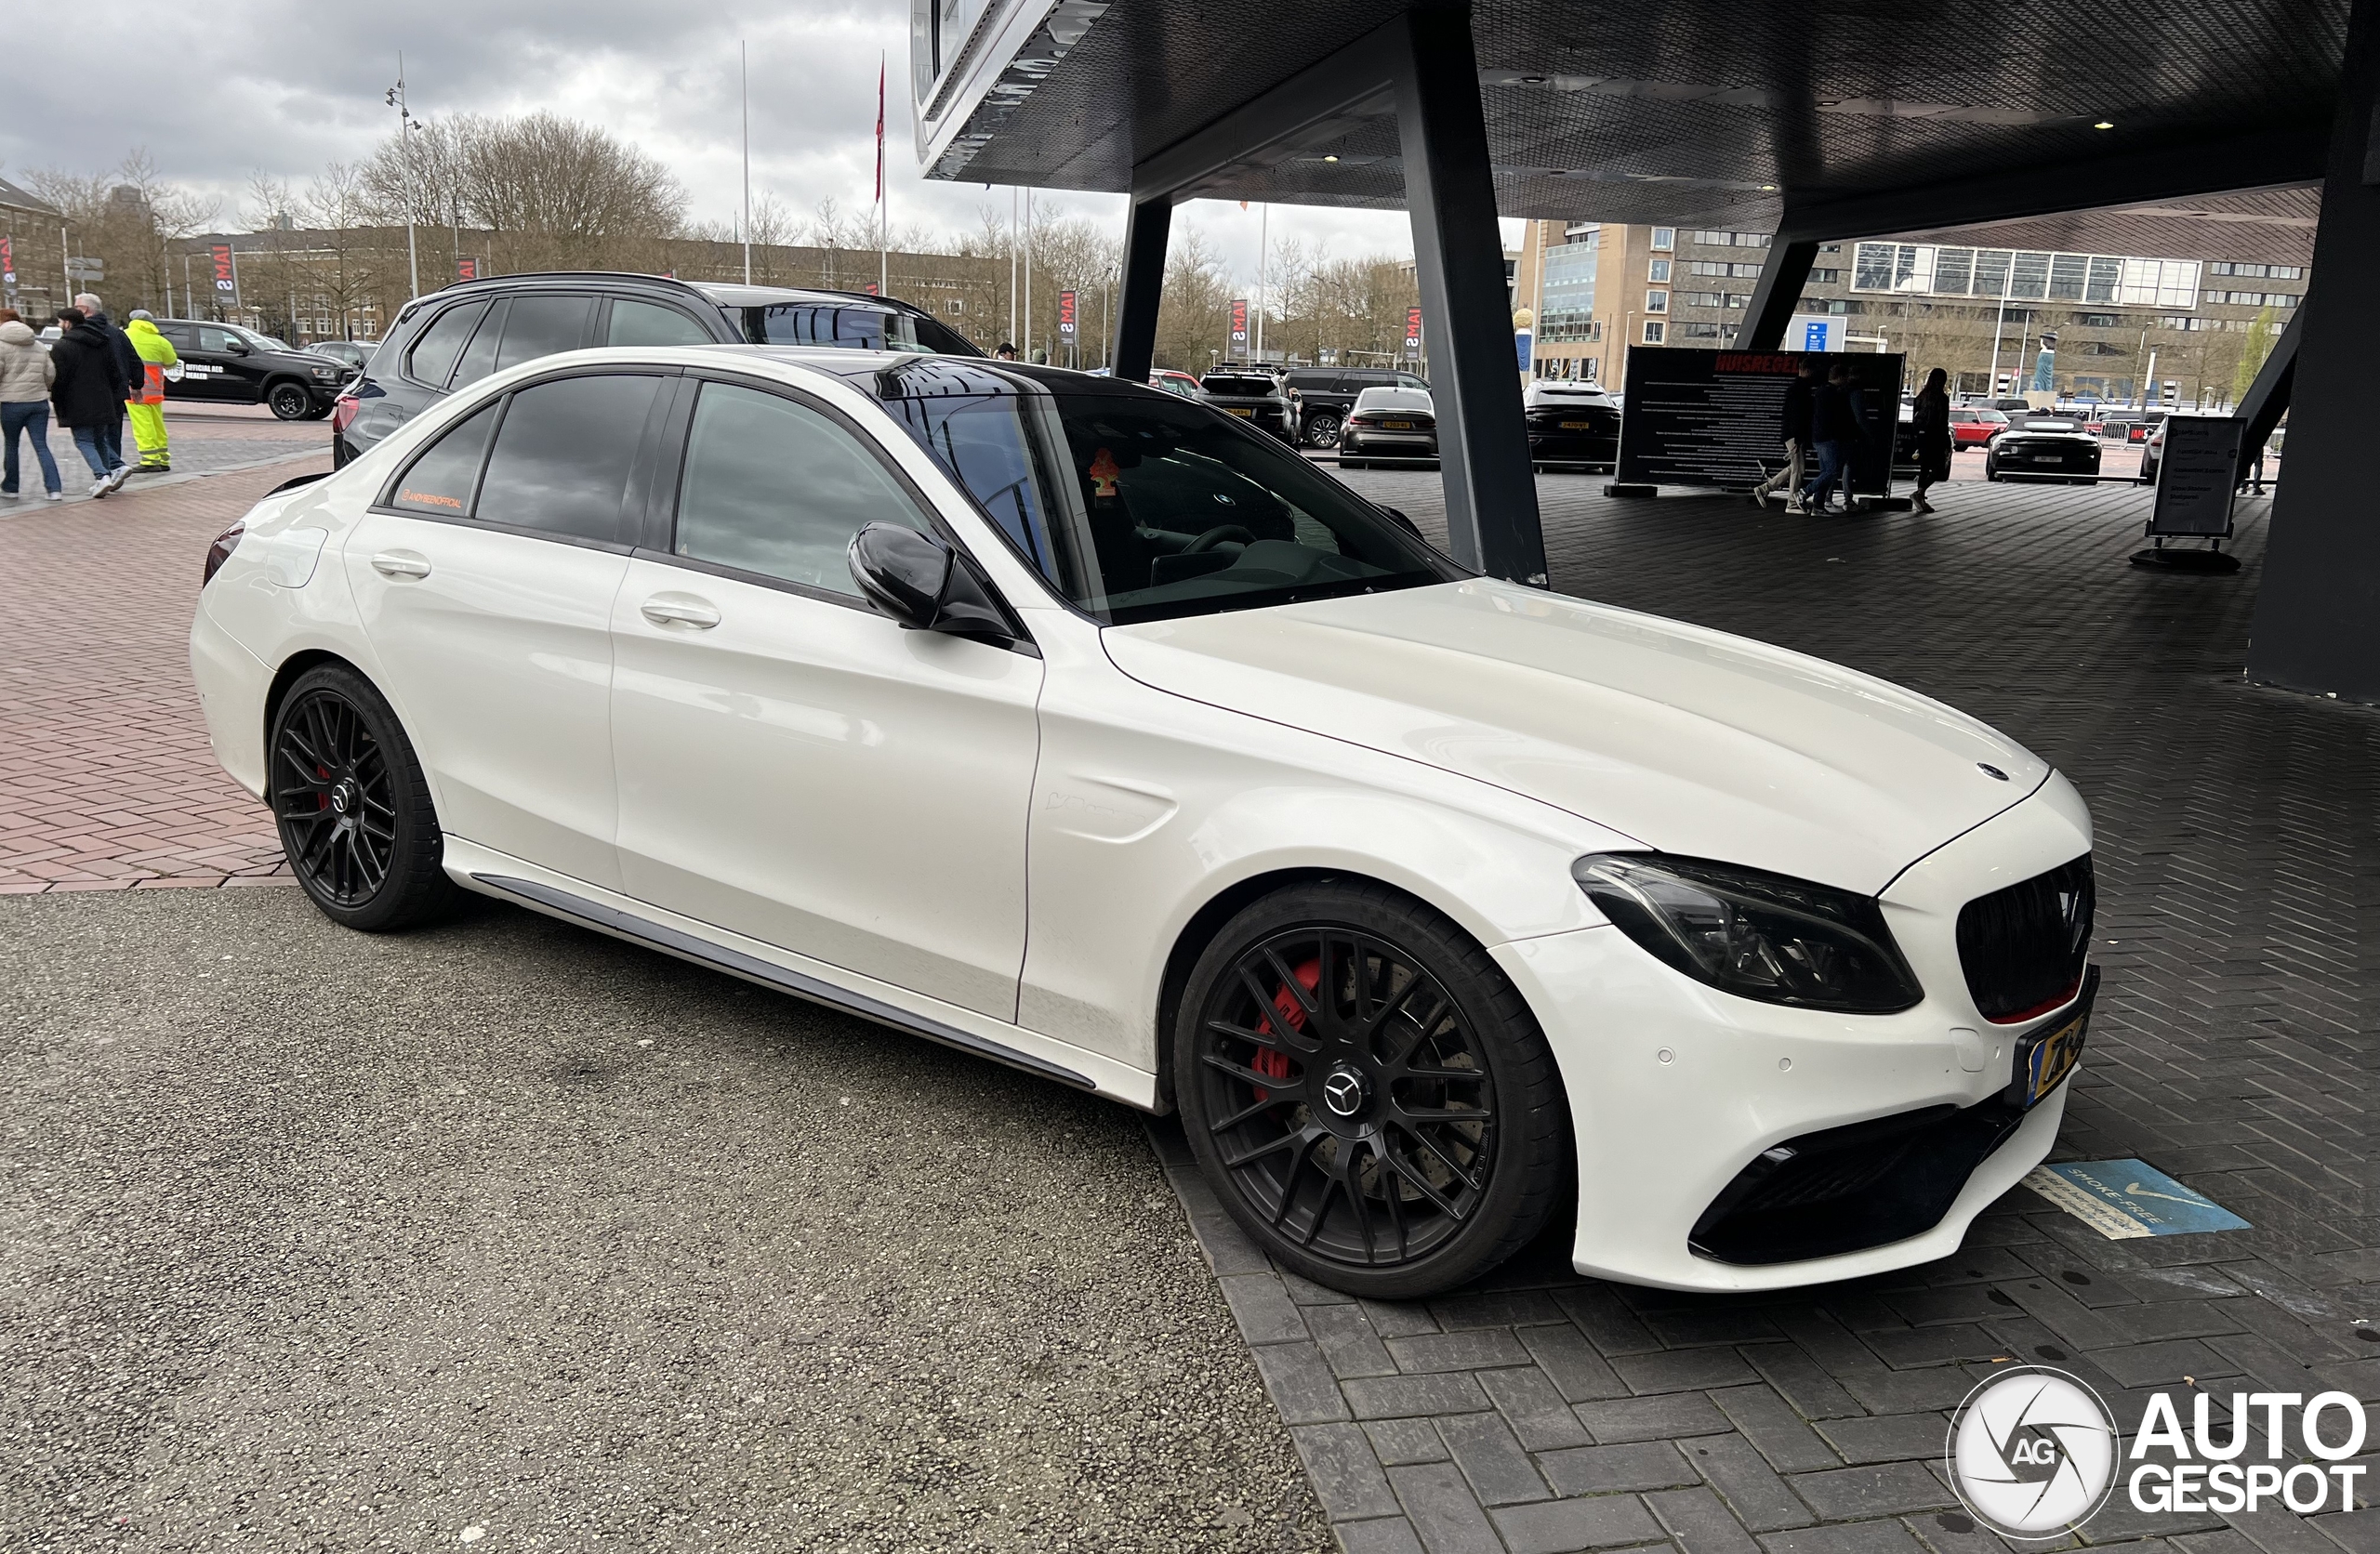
x=485, y=577
x=522, y=328
x=793, y=766
x=210, y=368
x=183, y=337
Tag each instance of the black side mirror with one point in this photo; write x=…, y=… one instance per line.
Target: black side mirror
x=1402, y=523
x=925, y=585
x=236, y=345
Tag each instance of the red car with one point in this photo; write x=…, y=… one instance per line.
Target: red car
x=1973, y=426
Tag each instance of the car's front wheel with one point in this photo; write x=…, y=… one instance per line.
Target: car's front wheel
x=289, y=401
x=351, y=804
x=1367, y=1093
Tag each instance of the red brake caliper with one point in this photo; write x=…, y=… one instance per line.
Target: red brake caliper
x=1272, y=1062
x=322, y=799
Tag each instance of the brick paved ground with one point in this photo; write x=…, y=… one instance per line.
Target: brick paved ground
x=2232, y=1047
x=106, y=780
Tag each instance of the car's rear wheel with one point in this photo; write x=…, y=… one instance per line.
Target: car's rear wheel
x=1367, y=1093
x=289, y=401
x=353, y=807
x=1322, y=431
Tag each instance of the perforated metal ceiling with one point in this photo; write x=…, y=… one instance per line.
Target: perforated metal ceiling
x=1697, y=111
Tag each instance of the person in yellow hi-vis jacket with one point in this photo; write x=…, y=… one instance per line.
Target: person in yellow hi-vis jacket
x=148, y=400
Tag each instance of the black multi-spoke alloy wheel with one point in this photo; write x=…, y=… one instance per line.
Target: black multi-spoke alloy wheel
x=355, y=811
x=1369, y=1094
x=1322, y=431
x=290, y=401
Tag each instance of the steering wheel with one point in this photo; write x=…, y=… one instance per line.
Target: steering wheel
x=1216, y=536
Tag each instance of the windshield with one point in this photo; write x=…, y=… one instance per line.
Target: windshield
x=262, y=342
x=1137, y=506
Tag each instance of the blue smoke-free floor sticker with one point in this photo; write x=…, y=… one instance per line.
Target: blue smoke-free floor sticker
x=2126, y=1199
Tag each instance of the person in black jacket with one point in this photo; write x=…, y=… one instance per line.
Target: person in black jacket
x=1793, y=430
x=88, y=396
x=1930, y=419
x=126, y=357
x=1837, y=426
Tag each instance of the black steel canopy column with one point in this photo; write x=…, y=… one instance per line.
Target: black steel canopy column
x=1146, y=228
x=1459, y=258
x=1779, y=292
x=2321, y=595
x=1422, y=66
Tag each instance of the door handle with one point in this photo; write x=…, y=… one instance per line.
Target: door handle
x=401, y=563
x=665, y=610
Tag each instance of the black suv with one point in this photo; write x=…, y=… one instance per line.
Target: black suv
x=1320, y=397
x=456, y=337
x=223, y=364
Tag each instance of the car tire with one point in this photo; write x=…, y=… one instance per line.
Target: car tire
x=318, y=413
x=1349, y=1161
x=1346, y=463
x=353, y=807
x=1321, y=431
x=288, y=399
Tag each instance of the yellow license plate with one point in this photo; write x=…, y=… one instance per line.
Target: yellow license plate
x=1578, y=425
x=1239, y=409
x=2053, y=1056
x=1396, y=426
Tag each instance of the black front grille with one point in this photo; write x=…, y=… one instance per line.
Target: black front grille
x=1848, y=1189
x=2023, y=948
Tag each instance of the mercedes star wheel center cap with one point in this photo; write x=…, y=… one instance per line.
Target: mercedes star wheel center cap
x=1343, y=1092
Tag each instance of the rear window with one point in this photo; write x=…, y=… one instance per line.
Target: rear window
x=1310, y=378
x=1223, y=383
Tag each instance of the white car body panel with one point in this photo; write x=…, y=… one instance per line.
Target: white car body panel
x=1013, y=847
x=810, y=775
x=1691, y=741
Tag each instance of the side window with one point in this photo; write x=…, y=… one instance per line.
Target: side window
x=479, y=357
x=563, y=457
x=649, y=324
x=1405, y=380
x=774, y=487
x=212, y=338
x=440, y=479
x=181, y=337
x=431, y=360
x=541, y=325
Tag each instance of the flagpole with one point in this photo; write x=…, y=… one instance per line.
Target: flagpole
x=1263, y=215
x=883, y=192
x=1026, y=345
x=1012, y=261
x=743, y=72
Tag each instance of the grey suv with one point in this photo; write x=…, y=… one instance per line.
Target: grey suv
x=451, y=337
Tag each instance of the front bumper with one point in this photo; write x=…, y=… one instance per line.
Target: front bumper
x=1676, y=1087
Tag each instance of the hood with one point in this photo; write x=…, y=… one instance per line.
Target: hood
x=1691, y=741
x=16, y=332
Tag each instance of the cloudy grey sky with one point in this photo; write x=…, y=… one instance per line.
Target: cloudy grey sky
x=284, y=86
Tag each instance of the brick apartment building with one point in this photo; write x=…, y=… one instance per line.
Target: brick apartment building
x=2203, y=287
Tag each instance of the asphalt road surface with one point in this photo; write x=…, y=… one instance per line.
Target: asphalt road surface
x=506, y=1234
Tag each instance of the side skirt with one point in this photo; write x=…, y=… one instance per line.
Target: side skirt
x=675, y=942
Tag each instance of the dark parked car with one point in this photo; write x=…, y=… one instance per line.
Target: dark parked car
x=223, y=364
x=1321, y=397
x=1253, y=396
x=348, y=354
x=1573, y=425
x=460, y=335
x=1389, y=424
x=2043, y=450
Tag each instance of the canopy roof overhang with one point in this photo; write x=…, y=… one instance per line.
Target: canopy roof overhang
x=1858, y=116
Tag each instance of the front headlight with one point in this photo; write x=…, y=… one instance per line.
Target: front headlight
x=1757, y=935
x=331, y=372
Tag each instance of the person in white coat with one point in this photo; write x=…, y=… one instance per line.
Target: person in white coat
x=26, y=373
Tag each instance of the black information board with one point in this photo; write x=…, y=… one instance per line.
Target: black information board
x=2196, y=475
x=1712, y=417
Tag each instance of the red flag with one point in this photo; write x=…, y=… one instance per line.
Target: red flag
x=879, y=132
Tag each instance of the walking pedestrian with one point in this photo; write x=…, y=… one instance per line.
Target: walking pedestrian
x=26, y=373
x=156, y=354
x=1930, y=419
x=1793, y=430
x=126, y=359
x=88, y=393
x=1836, y=426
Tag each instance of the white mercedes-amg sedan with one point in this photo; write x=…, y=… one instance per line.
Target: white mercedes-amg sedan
x=1087, y=730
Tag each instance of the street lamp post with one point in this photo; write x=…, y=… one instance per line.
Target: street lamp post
x=407, y=125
